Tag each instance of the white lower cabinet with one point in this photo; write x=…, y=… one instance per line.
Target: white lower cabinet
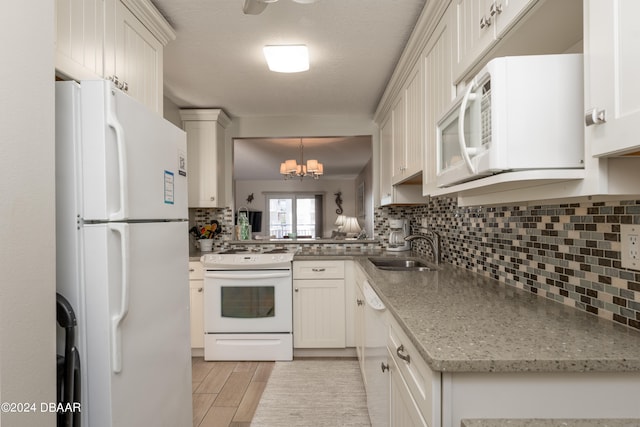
x=319, y=316
x=196, y=301
x=360, y=331
x=421, y=383
x=403, y=408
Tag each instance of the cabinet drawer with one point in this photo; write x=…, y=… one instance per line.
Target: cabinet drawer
x=196, y=271
x=423, y=383
x=318, y=269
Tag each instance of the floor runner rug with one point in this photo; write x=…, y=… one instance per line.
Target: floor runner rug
x=313, y=393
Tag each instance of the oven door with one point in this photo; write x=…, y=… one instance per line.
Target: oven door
x=249, y=301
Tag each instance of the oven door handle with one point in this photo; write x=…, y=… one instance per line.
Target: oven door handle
x=243, y=276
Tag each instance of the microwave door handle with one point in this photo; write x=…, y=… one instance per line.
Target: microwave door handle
x=461, y=140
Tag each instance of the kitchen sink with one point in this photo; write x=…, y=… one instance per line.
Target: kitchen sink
x=401, y=264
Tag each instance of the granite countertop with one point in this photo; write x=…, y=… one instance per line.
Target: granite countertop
x=462, y=321
x=536, y=422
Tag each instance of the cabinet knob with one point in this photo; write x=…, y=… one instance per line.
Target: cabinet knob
x=384, y=366
x=404, y=357
x=123, y=86
x=212, y=198
x=485, y=22
x=296, y=289
x=359, y=301
x=595, y=117
x=495, y=9
x=199, y=289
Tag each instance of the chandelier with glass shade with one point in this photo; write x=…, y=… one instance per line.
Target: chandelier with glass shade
x=291, y=169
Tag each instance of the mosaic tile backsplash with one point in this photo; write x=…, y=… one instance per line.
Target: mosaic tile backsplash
x=569, y=253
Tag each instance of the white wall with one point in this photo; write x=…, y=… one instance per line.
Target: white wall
x=326, y=186
x=27, y=209
x=171, y=112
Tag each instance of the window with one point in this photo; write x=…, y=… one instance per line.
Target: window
x=300, y=214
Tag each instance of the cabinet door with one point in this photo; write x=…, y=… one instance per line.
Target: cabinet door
x=135, y=56
x=414, y=138
x=79, y=38
x=475, y=31
x=399, y=134
x=403, y=411
x=386, y=159
x=203, y=155
x=612, y=67
x=196, y=299
x=440, y=91
x=318, y=314
x=360, y=328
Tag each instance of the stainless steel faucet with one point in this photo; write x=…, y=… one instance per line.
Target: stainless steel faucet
x=433, y=238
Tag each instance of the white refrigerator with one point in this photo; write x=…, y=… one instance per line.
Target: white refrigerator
x=122, y=255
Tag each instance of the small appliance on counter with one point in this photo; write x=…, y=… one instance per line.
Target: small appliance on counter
x=399, y=230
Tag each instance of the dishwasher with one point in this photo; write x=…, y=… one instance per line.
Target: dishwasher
x=375, y=354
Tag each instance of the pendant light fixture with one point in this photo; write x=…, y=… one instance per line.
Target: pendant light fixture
x=291, y=169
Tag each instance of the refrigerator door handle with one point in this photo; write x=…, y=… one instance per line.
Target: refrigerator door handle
x=116, y=320
x=114, y=123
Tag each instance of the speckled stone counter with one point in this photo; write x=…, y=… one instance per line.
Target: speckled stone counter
x=463, y=322
x=498, y=422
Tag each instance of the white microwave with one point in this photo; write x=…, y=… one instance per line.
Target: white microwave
x=518, y=113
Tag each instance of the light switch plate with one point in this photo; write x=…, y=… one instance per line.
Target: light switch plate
x=630, y=246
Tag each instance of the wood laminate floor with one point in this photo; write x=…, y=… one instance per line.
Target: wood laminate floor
x=226, y=394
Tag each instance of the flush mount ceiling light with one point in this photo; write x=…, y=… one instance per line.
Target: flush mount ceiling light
x=287, y=58
x=255, y=7
x=291, y=169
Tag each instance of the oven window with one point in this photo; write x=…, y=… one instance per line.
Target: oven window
x=248, y=302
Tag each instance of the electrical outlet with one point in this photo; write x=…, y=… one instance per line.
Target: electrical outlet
x=630, y=250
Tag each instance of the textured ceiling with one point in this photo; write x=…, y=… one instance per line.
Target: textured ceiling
x=216, y=61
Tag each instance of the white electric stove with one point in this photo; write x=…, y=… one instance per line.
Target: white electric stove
x=248, y=305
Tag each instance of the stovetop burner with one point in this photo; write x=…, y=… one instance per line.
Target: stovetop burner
x=233, y=251
x=276, y=251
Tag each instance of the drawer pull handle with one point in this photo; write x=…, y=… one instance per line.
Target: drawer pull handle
x=191, y=270
x=317, y=269
x=404, y=357
x=384, y=366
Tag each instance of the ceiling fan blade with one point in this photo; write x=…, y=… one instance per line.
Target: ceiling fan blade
x=254, y=7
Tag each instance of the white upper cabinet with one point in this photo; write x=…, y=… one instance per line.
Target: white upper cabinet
x=121, y=40
x=480, y=24
x=399, y=135
x=408, y=133
x=612, y=67
x=79, y=35
x=439, y=92
x=205, y=130
x=133, y=57
x=414, y=121
x=394, y=194
x=386, y=154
